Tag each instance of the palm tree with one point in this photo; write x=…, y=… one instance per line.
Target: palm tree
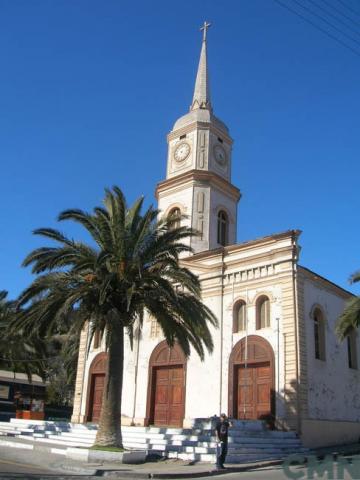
x=132, y=266
x=349, y=320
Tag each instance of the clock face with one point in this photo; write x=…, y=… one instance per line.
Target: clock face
x=220, y=155
x=182, y=152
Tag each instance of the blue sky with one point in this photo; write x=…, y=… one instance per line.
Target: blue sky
x=89, y=89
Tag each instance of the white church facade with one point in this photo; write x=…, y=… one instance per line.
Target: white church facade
x=276, y=356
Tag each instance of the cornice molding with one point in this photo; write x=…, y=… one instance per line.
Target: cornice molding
x=199, y=126
x=192, y=176
x=238, y=247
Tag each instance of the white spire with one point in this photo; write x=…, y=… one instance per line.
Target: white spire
x=201, y=98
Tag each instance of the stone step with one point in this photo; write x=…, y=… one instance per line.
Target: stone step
x=211, y=449
x=164, y=438
x=245, y=444
x=79, y=434
x=58, y=441
x=275, y=436
x=238, y=441
x=180, y=447
x=91, y=429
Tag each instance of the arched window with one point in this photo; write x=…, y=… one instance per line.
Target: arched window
x=223, y=225
x=352, y=350
x=97, y=338
x=175, y=217
x=319, y=334
x=239, y=317
x=262, y=312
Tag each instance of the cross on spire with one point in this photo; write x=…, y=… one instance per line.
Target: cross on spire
x=201, y=98
x=204, y=29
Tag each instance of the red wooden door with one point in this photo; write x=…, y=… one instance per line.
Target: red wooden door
x=168, y=396
x=98, y=382
x=254, y=391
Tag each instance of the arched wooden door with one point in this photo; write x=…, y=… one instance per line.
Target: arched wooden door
x=166, y=387
x=96, y=387
x=251, y=380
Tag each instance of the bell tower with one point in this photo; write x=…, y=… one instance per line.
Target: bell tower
x=198, y=177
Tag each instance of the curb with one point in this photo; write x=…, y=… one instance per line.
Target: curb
x=32, y=446
x=128, y=457
x=214, y=473
x=204, y=473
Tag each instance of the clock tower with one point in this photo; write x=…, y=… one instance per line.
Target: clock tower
x=198, y=178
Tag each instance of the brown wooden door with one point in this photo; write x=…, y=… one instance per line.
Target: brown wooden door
x=245, y=393
x=168, y=396
x=98, y=382
x=253, y=385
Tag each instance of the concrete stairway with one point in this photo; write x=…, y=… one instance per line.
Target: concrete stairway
x=248, y=440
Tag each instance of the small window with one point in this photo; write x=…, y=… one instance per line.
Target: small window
x=97, y=338
x=262, y=313
x=352, y=351
x=175, y=218
x=319, y=334
x=223, y=225
x=220, y=140
x=239, y=321
x=182, y=136
x=155, y=329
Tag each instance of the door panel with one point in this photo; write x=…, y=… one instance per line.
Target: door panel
x=98, y=382
x=245, y=393
x=168, y=396
x=253, y=391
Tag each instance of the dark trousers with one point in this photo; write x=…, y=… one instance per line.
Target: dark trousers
x=222, y=454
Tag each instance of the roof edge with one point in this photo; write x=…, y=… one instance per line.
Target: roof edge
x=316, y=276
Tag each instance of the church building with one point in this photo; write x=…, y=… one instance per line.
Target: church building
x=276, y=356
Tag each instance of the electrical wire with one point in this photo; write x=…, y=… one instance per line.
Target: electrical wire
x=348, y=7
x=340, y=12
x=326, y=32
x=326, y=21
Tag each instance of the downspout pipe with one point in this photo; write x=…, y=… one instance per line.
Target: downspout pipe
x=221, y=328
x=296, y=326
x=83, y=373
x=136, y=377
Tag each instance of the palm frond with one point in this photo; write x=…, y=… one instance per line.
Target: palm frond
x=349, y=320
x=355, y=277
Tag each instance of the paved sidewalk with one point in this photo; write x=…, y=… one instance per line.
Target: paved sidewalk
x=164, y=468
x=173, y=469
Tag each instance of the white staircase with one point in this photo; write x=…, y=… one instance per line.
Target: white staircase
x=249, y=441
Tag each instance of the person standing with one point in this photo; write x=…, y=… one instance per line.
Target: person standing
x=222, y=432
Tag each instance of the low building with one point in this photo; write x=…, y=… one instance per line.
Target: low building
x=17, y=392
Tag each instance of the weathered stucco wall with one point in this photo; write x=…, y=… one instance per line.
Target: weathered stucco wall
x=333, y=387
x=323, y=433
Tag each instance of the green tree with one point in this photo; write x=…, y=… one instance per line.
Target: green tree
x=131, y=265
x=349, y=320
x=63, y=350
x=19, y=353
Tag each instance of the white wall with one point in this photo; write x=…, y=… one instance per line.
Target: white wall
x=333, y=388
x=203, y=378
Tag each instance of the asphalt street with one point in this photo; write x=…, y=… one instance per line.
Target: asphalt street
x=22, y=463
x=16, y=463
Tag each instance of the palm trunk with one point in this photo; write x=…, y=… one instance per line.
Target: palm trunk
x=109, y=433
